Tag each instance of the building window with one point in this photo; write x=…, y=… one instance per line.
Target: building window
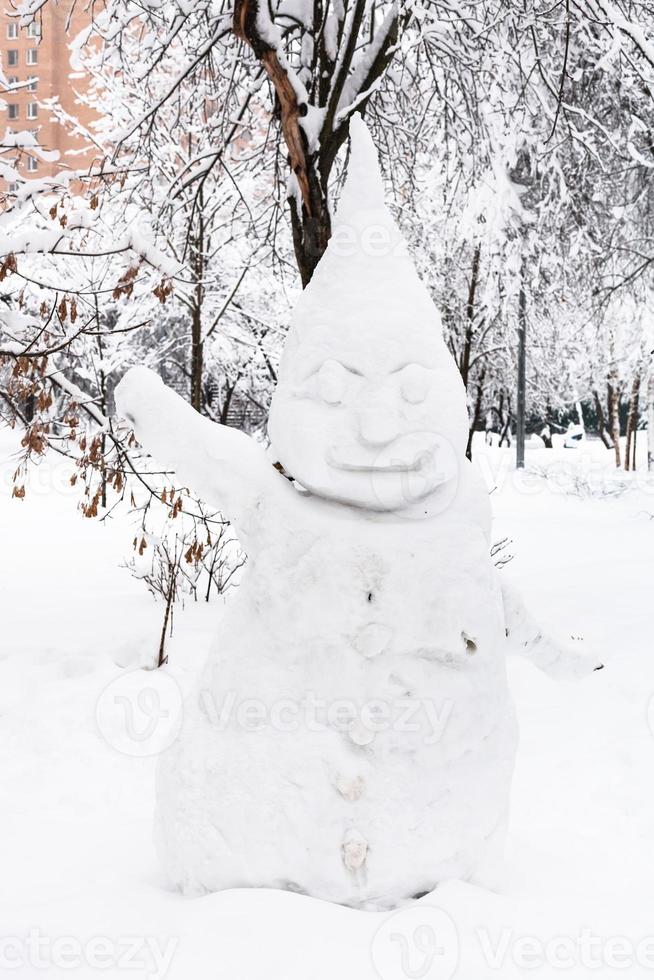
x=32, y=56
x=12, y=110
x=12, y=58
x=12, y=188
x=13, y=79
x=12, y=31
x=33, y=83
x=32, y=164
x=34, y=30
x=32, y=110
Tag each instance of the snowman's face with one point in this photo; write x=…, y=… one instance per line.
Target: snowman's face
x=375, y=426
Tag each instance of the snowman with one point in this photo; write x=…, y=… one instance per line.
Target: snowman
x=352, y=736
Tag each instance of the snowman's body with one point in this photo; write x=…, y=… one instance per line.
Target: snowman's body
x=352, y=735
x=336, y=617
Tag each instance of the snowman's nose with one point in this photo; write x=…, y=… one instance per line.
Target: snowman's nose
x=378, y=421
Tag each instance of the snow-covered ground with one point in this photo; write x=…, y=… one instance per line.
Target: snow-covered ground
x=81, y=893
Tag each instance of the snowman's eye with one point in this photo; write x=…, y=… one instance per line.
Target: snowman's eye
x=414, y=383
x=332, y=382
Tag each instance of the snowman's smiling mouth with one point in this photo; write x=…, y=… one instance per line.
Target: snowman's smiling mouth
x=350, y=460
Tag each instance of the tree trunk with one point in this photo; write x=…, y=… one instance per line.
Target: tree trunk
x=162, y=657
x=505, y=421
x=102, y=385
x=601, y=424
x=229, y=392
x=311, y=166
x=632, y=422
x=197, y=358
x=580, y=416
x=477, y=412
x=197, y=349
x=505, y=435
x=650, y=418
x=464, y=366
x=311, y=229
x=522, y=372
x=633, y=460
x=614, y=415
x=310, y=219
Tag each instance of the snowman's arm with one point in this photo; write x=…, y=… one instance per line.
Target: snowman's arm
x=222, y=465
x=528, y=640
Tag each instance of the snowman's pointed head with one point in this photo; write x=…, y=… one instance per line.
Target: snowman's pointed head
x=370, y=408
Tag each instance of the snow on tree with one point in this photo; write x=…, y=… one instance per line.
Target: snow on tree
x=533, y=110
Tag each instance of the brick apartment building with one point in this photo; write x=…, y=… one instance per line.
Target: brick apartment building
x=37, y=60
